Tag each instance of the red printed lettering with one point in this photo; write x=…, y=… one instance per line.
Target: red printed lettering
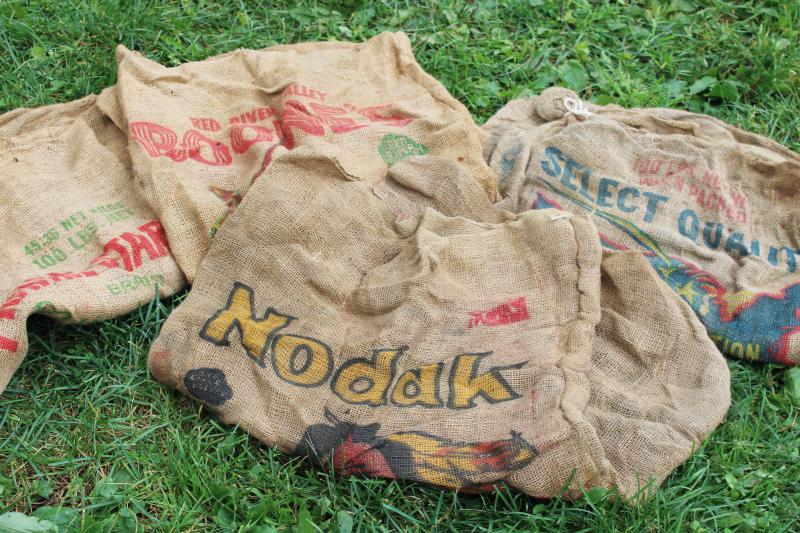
x=265, y=112
x=139, y=243
x=711, y=179
x=155, y=231
x=335, y=118
x=243, y=136
x=115, y=247
x=647, y=167
x=312, y=118
x=157, y=140
x=506, y=313
x=296, y=115
x=218, y=156
x=298, y=89
x=739, y=199
x=207, y=124
x=34, y=283
x=56, y=276
x=127, y=248
x=372, y=113
x=8, y=345
x=259, y=113
x=152, y=241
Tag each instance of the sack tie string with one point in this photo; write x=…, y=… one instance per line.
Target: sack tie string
x=576, y=107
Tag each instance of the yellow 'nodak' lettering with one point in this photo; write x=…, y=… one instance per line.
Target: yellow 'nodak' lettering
x=301, y=360
x=255, y=334
x=466, y=384
x=364, y=381
x=418, y=386
x=308, y=362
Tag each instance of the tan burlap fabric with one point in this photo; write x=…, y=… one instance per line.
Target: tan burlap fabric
x=364, y=306
x=378, y=328
x=715, y=209
x=83, y=200
x=78, y=242
x=201, y=133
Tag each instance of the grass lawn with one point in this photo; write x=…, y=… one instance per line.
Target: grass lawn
x=87, y=435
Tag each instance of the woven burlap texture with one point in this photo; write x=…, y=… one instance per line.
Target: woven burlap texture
x=407, y=329
x=86, y=186
x=714, y=208
x=79, y=242
x=201, y=133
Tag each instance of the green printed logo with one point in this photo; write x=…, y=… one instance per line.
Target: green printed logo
x=135, y=283
x=47, y=307
x=394, y=148
x=73, y=234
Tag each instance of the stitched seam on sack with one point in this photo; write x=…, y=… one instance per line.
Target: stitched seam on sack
x=579, y=425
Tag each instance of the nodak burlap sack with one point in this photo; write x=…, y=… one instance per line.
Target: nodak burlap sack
x=78, y=242
x=83, y=201
x=201, y=133
x=715, y=209
x=378, y=329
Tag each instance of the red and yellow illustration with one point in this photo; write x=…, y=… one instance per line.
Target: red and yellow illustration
x=350, y=449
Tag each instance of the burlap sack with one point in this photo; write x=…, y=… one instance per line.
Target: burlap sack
x=351, y=322
x=201, y=133
x=78, y=243
x=714, y=208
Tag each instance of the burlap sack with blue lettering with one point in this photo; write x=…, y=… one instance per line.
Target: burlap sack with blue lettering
x=78, y=243
x=381, y=330
x=716, y=210
x=201, y=133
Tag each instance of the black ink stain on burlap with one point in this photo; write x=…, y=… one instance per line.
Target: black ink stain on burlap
x=208, y=385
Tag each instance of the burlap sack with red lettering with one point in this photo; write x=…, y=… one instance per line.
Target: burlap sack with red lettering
x=376, y=328
x=78, y=243
x=714, y=208
x=201, y=133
